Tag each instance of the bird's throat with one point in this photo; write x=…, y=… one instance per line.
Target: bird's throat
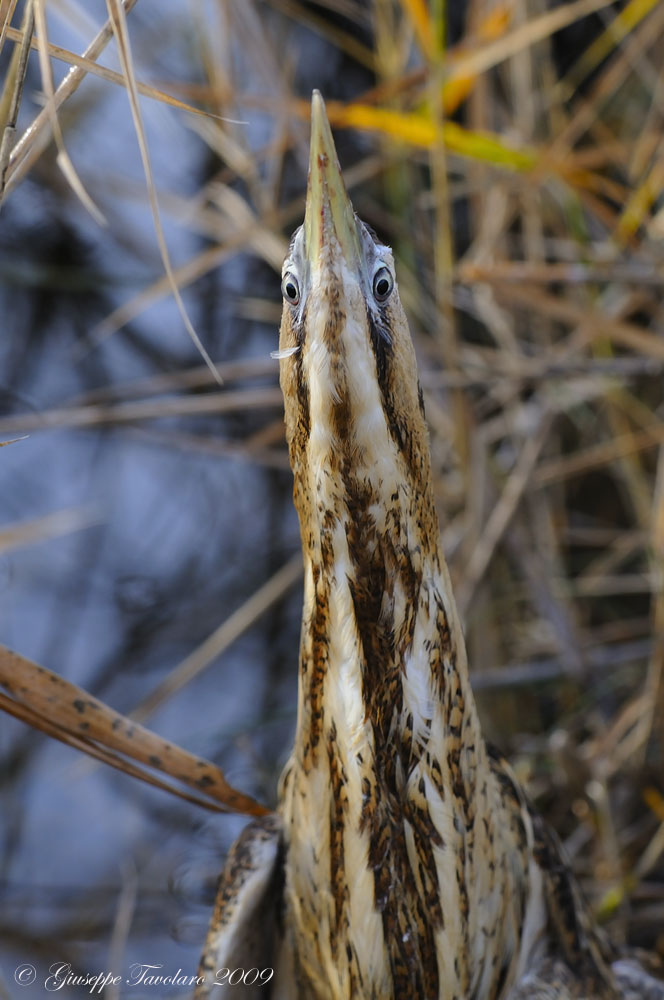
x=375, y=598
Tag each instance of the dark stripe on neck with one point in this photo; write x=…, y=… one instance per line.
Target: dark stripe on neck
x=338, y=808
x=304, y=416
x=381, y=342
x=379, y=564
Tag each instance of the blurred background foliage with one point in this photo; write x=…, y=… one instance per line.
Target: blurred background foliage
x=512, y=153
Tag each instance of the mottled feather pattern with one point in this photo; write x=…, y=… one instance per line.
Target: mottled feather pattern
x=413, y=865
x=245, y=921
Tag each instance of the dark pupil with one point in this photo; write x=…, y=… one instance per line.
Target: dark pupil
x=382, y=286
x=291, y=290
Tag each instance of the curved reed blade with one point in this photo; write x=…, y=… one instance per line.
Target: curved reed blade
x=70, y=714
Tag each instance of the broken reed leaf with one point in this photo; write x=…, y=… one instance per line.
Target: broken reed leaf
x=48, y=728
x=62, y=709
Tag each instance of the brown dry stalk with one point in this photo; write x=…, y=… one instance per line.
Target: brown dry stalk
x=7, y=8
x=63, y=159
x=597, y=323
x=145, y=409
x=517, y=482
x=29, y=145
x=118, y=20
x=11, y=97
x=558, y=469
x=104, y=73
x=38, y=529
x=70, y=714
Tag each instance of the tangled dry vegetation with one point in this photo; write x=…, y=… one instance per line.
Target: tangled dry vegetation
x=518, y=172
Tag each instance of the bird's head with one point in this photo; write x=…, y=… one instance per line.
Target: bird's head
x=353, y=404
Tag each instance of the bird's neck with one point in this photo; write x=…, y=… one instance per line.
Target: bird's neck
x=389, y=795
x=382, y=656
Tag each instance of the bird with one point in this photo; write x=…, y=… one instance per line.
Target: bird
x=404, y=859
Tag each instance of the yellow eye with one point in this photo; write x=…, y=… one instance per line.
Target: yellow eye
x=290, y=288
x=383, y=284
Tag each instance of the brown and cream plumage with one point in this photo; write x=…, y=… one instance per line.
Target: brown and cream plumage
x=406, y=861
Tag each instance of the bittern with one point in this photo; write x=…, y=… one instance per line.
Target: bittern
x=405, y=860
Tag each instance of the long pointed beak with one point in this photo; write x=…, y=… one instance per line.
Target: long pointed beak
x=329, y=214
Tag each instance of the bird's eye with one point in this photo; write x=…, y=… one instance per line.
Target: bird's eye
x=383, y=284
x=290, y=288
